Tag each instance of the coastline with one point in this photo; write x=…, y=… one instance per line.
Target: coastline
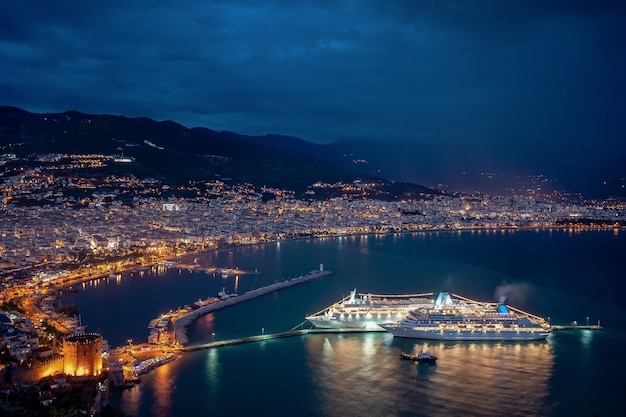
x=183, y=325
x=57, y=288
x=138, y=267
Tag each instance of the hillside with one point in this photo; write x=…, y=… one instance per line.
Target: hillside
x=174, y=154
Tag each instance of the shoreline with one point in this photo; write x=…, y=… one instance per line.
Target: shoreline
x=55, y=289
x=186, y=321
x=139, y=267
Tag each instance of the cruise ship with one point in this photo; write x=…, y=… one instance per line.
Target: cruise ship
x=452, y=317
x=368, y=311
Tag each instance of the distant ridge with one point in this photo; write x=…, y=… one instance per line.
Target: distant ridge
x=292, y=163
x=172, y=153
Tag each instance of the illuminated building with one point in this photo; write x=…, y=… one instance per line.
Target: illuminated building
x=83, y=354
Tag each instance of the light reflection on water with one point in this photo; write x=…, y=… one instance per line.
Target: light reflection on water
x=350, y=375
x=213, y=371
x=365, y=376
x=586, y=336
x=162, y=386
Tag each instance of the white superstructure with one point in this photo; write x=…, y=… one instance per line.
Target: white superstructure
x=452, y=317
x=368, y=311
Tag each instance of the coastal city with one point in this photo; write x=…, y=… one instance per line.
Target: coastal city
x=320, y=208
x=52, y=240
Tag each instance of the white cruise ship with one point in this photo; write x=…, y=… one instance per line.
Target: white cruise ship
x=368, y=311
x=452, y=317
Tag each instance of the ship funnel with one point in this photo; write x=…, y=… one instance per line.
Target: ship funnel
x=443, y=298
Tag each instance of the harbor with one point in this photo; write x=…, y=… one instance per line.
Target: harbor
x=168, y=332
x=214, y=270
x=311, y=364
x=181, y=321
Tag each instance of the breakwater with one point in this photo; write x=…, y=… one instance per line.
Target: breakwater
x=259, y=338
x=248, y=339
x=182, y=321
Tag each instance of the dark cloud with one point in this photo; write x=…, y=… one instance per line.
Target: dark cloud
x=403, y=70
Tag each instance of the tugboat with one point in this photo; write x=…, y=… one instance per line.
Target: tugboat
x=425, y=357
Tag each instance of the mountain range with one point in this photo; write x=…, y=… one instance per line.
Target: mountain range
x=175, y=154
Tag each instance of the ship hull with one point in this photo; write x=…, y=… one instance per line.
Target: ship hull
x=446, y=317
x=467, y=335
x=374, y=325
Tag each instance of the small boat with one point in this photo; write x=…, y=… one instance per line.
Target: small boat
x=425, y=357
x=410, y=356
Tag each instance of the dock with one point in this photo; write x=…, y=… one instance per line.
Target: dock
x=181, y=322
x=259, y=338
x=576, y=327
x=178, y=322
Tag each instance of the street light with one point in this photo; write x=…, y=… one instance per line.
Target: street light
x=587, y=320
x=262, y=330
x=213, y=337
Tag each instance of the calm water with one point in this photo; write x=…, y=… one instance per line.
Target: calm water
x=561, y=275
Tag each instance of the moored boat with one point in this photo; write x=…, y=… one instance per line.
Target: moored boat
x=367, y=311
x=452, y=317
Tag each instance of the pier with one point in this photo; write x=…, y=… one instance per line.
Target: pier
x=299, y=332
x=137, y=359
x=576, y=327
x=181, y=322
x=259, y=338
x=178, y=322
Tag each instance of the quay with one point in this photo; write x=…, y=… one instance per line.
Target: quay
x=181, y=322
x=576, y=327
x=178, y=322
x=299, y=332
x=259, y=338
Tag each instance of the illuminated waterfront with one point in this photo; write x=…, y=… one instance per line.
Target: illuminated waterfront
x=547, y=273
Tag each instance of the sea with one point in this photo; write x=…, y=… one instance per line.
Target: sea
x=563, y=275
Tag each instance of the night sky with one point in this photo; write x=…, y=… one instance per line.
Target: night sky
x=424, y=71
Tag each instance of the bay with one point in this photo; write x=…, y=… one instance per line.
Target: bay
x=561, y=274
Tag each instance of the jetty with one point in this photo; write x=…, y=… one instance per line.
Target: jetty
x=259, y=338
x=174, y=325
x=575, y=326
x=181, y=321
